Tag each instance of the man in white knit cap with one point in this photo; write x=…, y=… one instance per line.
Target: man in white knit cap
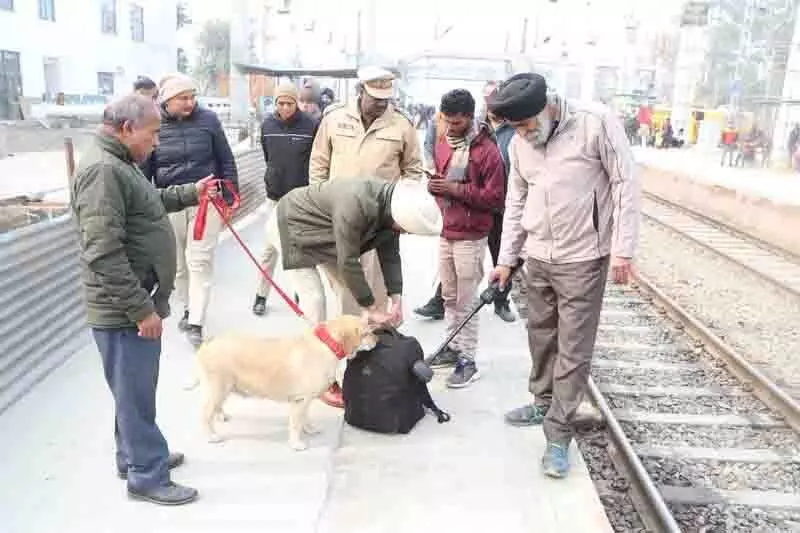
x=192, y=145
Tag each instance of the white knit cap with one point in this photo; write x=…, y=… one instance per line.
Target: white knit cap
x=172, y=85
x=415, y=209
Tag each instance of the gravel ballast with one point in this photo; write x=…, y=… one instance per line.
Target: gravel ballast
x=713, y=437
x=758, y=319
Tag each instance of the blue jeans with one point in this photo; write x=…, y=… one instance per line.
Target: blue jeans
x=131, y=363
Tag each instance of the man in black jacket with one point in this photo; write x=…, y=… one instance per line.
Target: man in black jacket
x=286, y=138
x=192, y=146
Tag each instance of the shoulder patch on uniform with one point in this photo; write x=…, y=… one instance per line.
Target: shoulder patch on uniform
x=333, y=107
x=403, y=114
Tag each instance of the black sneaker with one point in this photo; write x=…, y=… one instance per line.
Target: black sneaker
x=195, y=335
x=171, y=494
x=502, y=310
x=260, y=306
x=434, y=309
x=444, y=359
x=183, y=324
x=464, y=374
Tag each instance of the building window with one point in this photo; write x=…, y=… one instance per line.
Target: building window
x=47, y=10
x=137, y=23
x=108, y=15
x=105, y=83
x=7, y=5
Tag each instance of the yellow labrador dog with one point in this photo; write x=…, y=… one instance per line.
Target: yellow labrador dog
x=293, y=369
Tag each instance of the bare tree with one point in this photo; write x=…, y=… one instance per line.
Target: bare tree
x=213, y=62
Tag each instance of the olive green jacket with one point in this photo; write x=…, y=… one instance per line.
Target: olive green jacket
x=127, y=245
x=335, y=222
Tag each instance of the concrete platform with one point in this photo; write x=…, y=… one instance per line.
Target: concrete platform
x=473, y=474
x=779, y=186
x=762, y=202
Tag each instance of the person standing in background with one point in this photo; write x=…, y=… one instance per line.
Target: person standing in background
x=309, y=100
x=192, y=146
x=146, y=87
x=286, y=138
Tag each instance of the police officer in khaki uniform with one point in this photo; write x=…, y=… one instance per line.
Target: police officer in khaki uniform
x=370, y=137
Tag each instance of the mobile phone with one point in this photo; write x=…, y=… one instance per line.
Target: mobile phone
x=429, y=174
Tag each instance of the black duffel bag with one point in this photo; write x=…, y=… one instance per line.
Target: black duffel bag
x=385, y=389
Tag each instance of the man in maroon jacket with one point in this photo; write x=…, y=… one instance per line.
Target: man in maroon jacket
x=469, y=187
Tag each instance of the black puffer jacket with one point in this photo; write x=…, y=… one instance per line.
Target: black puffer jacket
x=190, y=149
x=287, y=149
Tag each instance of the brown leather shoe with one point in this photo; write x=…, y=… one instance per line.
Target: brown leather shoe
x=333, y=396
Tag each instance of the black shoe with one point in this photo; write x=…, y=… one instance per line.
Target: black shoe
x=444, y=359
x=172, y=494
x=502, y=310
x=195, y=335
x=175, y=460
x=183, y=325
x=434, y=309
x=260, y=306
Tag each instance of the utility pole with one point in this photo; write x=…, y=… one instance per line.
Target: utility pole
x=524, y=45
x=239, y=89
x=358, y=39
x=744, y=51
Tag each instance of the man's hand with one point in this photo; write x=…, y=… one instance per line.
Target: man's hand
x=397, y=310
x=376, y=317
x=208, y=185
x=150, y=327
x=500, y=274
x=441, y=187
x=621, y=269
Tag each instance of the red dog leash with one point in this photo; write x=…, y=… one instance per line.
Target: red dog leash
x=226, y=213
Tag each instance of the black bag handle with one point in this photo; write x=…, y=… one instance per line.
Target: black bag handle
x=428, y=402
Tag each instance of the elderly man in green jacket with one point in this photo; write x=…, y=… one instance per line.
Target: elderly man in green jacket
x=332, y=224
x=129, y=260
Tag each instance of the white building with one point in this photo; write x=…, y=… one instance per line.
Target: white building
x=83, y=47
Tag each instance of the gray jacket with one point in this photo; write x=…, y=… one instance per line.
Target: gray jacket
x=578, y=197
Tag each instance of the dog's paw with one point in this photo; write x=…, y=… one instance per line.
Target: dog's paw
x=310, y=429
x=298, y=445
x=215, y=438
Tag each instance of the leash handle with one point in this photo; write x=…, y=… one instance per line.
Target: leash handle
x=226, y=211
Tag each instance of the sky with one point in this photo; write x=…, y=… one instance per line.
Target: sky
x=408, y=27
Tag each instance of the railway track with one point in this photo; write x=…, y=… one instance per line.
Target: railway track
x=708, y=443
x=769, y=262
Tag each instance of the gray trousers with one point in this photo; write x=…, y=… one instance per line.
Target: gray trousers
x=564, y=303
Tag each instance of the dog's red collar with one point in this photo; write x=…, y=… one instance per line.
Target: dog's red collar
x=324, y=335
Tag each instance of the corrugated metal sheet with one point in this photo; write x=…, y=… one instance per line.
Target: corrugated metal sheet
x=42, y=319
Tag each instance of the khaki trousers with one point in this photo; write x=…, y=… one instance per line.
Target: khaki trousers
x=271, y=254
x=195, y=268
x=564, y=303
x=461, y=272
x=306, y=282
x=374, y=275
